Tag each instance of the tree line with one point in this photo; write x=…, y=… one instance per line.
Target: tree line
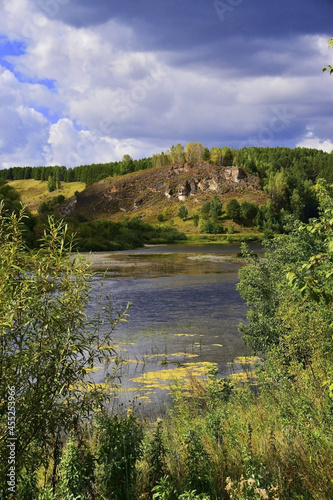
x=286, y=175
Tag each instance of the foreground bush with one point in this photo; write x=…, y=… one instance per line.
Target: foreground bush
x=47, y=348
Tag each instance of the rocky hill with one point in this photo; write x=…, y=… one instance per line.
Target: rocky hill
x=148, y=192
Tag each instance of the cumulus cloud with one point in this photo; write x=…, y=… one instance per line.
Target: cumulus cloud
x=71, y=147
x=311, y=141
x=87, y=87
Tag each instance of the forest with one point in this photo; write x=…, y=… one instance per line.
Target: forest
x=286, y=175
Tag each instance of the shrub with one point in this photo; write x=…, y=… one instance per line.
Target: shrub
x=119, y=448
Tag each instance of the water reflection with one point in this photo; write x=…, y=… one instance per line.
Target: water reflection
x=184, y=315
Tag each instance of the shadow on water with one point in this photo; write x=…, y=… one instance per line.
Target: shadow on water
x=184, y=316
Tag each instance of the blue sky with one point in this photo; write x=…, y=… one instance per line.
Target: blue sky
x=87, y=81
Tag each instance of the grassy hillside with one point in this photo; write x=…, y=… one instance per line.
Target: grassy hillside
x=33, y=192
x=153, y=196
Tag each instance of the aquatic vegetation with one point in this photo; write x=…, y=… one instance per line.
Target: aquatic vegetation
x=164, y=378
x=185, y=335
x=245, y=360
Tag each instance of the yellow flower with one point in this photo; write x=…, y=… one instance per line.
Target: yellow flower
x=262, y=493
x=229, y=484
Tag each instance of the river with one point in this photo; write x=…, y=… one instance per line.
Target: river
x=183, y=317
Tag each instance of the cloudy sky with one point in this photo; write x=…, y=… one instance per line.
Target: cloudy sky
x=85, y=81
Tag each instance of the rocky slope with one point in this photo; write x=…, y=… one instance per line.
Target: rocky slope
x=160, y=187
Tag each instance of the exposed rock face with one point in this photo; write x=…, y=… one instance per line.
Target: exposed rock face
x=174, y=182
x=235, y=174
x=137, y=203
x=184, y=190
x=69, y=207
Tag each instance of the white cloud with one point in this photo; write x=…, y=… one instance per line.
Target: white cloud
x=71, y=147
x=311, y=141
x=111, y=99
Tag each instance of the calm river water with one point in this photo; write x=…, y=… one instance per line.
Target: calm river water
x=184, y=316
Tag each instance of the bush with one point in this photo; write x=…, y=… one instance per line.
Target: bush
x=43, y=327
x=77, y=470
x=119, y=447
x=183, y=212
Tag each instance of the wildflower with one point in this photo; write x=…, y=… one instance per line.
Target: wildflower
x=262, y=493
x=251, y=482
x=242, y=484
x=229, y=484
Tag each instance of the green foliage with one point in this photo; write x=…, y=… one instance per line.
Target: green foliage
x=77, y=471
x=215, y=208
x=119, y=448
x=47, y=207
x=164, y=490
x=212, y=227
x=126, y=164
x=233, y=210
x=192, y=495
x=196, y=218
x=155, y=457
x=51, y=183
x=268, y=220
x=48, y=346
x=131, y=233
x=205, y=210
x=183, y=212
x=198, y=468
x=248, y=212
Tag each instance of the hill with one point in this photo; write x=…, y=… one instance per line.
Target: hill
x=151, y=194
x=33, y=192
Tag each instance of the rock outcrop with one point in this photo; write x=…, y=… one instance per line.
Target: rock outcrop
x=178, y=182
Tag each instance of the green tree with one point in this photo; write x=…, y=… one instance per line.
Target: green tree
x=215, y=208
x=177, y=154
x=51, y=183
x=196, y=218
x=295, y=265
x=297, y=205
x=194, y=152
x=47, y=344
x=183, y=212
x=205, y=210
x=206, y=154
x=227, y=156
x=277, y=188
x=216, y=156
x=248, y=211
x=233, y=210
x=126, y=164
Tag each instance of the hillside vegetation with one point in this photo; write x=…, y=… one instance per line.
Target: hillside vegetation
x=256, y=190
x=33, y=192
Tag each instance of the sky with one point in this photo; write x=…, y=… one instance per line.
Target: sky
x=87, y=81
